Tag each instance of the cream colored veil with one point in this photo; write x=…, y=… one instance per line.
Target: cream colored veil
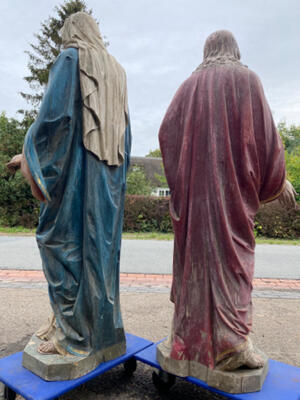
x=103, y=89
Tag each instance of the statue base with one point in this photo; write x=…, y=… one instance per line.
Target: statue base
x=56, y=367
x=242, y=380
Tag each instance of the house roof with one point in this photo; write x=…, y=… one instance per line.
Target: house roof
x=151, y=166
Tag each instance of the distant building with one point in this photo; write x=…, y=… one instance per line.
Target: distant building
x=152, y=167
x=160, y=192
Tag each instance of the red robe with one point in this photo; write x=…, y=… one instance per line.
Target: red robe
x=222, y=157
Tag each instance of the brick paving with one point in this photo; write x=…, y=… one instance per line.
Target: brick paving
x=145, y=280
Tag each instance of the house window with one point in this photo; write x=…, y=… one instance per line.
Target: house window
x=162, y=192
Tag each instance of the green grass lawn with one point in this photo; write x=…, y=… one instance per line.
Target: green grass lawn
x=16, y=230
x=148, y=235
x=19, y=230
x=170, y=236
x=265, y=240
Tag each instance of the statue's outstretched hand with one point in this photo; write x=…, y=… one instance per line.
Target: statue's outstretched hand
x=15, y=163
x=287, y=198
x=19, y=161
x=35, y=190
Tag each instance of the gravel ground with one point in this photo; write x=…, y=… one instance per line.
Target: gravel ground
x=276, y=330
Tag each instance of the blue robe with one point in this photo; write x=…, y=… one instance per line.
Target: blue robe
x=80, y=225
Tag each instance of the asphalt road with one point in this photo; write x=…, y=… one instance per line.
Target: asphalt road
x=154, y=257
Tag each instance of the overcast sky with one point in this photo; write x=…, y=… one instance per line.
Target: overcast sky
x=159, y=43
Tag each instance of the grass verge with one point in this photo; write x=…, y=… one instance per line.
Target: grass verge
x=19, y=230
x=170, y=236
x=16, y=230
x=148, y=235
x=264, y=240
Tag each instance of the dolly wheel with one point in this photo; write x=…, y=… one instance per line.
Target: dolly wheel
x=163, y=381
x=130, y=366
x=9, y=394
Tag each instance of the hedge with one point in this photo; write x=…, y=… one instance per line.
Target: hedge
x=17, y=205
x=147, y=214
x=272, y=220
x=143, y=213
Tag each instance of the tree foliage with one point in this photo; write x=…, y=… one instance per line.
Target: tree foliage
x=137, y=182
x=17, y=205
x=162, y=177
x=290, y=136
x=291, y=140
x=154, y=153
x=43, y=53
x=292, y=161
x=11, y=137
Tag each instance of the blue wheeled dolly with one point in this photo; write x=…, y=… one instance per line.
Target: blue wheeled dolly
x=19, y=380
x=282, y=381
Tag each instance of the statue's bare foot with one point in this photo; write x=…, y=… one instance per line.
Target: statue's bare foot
x=253, y=360
x=47, y=348
x=247, y=358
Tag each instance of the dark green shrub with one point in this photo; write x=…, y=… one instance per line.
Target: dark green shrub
x=146, y=214
x=142, y=213
x=274, y=221
x=17, y=205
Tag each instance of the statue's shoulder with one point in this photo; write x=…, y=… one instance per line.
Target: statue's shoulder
x=253, y=75
x=65, y=59
x=191, y=81
x=254, y=79
x=71, y=52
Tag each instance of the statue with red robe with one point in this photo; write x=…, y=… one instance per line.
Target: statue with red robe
x=223, y=158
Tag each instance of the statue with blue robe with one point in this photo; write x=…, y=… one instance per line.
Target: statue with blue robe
x=75, y=158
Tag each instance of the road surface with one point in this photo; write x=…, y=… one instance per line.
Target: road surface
x=154, y=257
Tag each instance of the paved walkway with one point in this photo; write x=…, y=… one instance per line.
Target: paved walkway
x=153, y=257
x=276, y=305
x=149, y=283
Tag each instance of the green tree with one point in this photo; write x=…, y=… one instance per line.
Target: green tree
x=11, y=137
x=292, y=161
x=291, y=140
x=137, y=182
x=154, y=153
x=162, y=178
x=43, y=54
x=290, y=136
x=17, y=205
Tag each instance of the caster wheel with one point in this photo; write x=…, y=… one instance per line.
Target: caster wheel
x=9, y=394
x=130, y=366
x=163, y=381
